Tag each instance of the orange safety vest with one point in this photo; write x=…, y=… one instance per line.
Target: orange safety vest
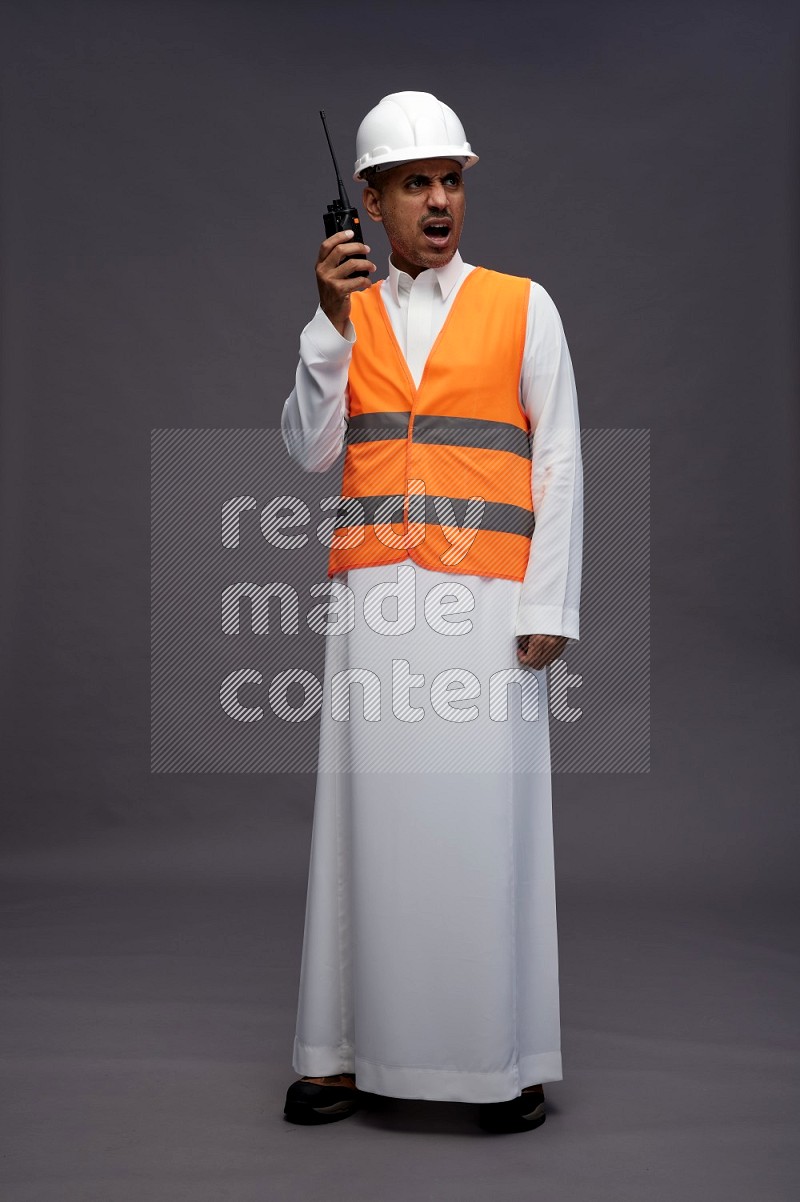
x=439, y=472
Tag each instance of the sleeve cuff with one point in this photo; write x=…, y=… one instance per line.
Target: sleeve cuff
x=547, y=619
x=326, y=339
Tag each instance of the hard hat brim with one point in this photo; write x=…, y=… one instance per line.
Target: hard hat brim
x=409, y=154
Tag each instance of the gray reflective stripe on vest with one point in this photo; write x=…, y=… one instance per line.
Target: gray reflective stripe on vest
x=434, y=429
x=374, y=427
x=496, y=515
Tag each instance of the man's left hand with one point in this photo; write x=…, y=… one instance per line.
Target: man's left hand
x=539, y=650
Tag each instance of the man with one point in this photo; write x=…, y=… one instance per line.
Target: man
x=430, y=965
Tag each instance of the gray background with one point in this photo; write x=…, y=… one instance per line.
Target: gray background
x=163, y=181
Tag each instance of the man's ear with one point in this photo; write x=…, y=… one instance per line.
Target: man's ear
x=372, y=203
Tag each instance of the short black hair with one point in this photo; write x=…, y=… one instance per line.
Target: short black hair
x=374, y=178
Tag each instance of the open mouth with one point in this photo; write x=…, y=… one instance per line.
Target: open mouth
x=437, y=232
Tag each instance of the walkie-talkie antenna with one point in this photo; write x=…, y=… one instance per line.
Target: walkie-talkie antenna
x=342, y=194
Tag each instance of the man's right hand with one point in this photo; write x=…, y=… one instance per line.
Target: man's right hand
x=332, y=272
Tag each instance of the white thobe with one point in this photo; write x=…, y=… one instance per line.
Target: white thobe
x=430, y=959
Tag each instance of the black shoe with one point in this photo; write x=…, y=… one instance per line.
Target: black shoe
x=308, y=1103
x=517, y=1114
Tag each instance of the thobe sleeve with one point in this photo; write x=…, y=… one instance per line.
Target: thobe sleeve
x=314, y=417
x=550, y=593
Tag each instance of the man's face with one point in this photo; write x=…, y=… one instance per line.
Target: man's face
x=421, y=205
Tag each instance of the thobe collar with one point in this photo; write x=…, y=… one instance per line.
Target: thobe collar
x=446, y=277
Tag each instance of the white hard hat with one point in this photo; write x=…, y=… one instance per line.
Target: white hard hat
x=406, y=126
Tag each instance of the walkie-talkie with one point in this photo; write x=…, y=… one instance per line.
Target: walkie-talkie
x=341, y=215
